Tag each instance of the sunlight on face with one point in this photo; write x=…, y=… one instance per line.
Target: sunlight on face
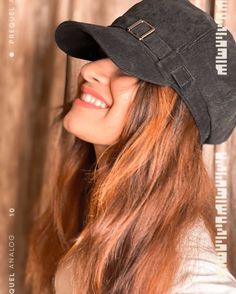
x=104, y=81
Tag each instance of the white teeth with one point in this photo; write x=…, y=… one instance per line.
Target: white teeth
x=87, y=98
x=90, y=99
x=98, y=103
x=103, y=105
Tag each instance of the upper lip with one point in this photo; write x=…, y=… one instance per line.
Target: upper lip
x=92, y=92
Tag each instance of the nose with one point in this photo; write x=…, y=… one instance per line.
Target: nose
x=95, y=72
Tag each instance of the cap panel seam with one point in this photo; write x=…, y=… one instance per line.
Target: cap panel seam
x=195, y=41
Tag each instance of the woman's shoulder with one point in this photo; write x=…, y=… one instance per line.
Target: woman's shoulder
x=200, y=261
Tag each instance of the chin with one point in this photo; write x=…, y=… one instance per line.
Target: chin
x=71, y=125
x=67, y=123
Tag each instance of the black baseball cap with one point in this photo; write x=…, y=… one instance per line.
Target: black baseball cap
x=172, y=43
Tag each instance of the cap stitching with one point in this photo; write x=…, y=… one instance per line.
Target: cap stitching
x=195, y=41
x=178, y=74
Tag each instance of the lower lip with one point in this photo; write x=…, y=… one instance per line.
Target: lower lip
x=85, y=104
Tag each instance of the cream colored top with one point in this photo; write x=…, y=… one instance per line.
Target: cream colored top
x=207, y=276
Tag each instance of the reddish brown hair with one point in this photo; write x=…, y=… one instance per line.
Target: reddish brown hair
x=121, y=224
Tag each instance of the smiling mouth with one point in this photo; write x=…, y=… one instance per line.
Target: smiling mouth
x=93, y=101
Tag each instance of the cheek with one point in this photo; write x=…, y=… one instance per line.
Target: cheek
x=101, y=127
x=84, y=123
x=123, y=98
x=97, y=127
x=116, y=117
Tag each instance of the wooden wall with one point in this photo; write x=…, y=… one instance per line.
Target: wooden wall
x=33, y=81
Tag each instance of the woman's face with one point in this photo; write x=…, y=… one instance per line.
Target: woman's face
x=106, y=96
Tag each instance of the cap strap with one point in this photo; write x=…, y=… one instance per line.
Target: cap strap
x=157, y=46
x=173, y=67
x=181, y=76
x=146, y=33
x=185, y=84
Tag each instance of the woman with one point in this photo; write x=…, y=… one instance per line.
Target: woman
x=133, y=206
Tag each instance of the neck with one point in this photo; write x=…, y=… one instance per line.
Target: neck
x=99, y=149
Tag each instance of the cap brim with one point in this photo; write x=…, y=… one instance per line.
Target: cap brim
x=83, y=40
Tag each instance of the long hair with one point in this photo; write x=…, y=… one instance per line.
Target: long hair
x=121, y=225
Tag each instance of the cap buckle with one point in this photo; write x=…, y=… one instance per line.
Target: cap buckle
x=134, y=25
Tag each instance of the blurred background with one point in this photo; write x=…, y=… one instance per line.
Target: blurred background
x=35, y=77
